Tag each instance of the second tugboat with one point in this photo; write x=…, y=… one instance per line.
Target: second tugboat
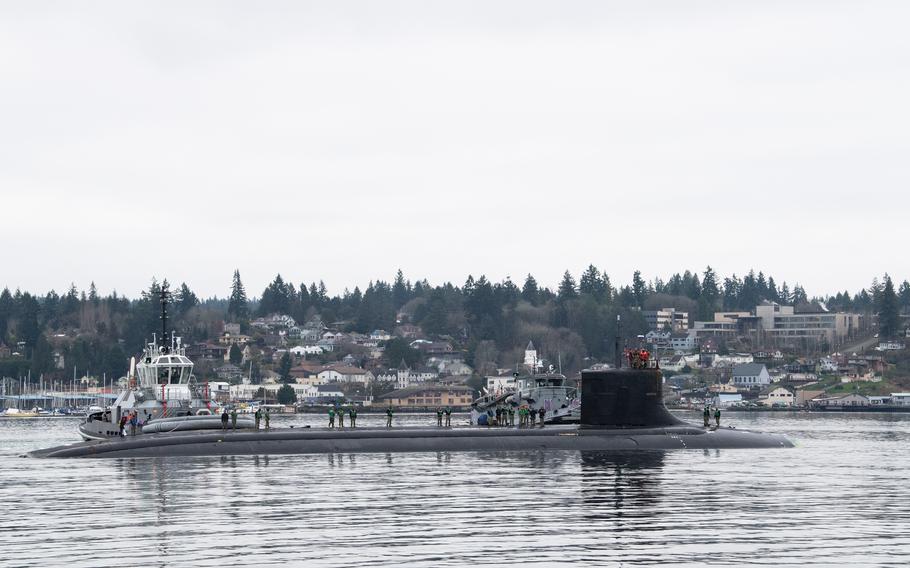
x=160, y=395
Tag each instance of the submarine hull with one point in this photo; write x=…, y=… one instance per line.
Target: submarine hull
x=366, y=440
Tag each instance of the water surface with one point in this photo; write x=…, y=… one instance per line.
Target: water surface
x=841, y=498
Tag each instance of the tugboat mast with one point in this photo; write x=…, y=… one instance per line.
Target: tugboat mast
x=163, y=342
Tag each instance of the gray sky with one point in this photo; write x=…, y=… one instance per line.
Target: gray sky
x=342, y=140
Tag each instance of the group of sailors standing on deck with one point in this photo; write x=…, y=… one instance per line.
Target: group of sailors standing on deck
x=527, y=416
x=339, y=413
x=258, y=416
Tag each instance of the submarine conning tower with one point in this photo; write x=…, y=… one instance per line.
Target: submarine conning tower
x=624, y=398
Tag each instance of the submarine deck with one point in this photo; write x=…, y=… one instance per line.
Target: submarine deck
x=363, y=440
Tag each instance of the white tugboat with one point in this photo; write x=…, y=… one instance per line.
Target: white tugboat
x=549, y=391
x=161, y=392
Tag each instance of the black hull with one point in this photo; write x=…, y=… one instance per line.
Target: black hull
x=324, y=441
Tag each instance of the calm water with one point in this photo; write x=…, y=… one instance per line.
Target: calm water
x=842, y=497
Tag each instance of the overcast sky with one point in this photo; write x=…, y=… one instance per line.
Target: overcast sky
x=343, y=140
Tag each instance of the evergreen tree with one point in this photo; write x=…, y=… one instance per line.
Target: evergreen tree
x=709, y=287
x=889, y=320
x=567, y=290
x=400, y=290
x=235, y=355
x=785, y=296
x=186, y=300
x=773, y=294
x=284, y=367
x=590, y=282
x=904, y=296
x=93, y=293
x=286, y=395
x=276, y=298
x=42, y=356
x=6, y=312
x=639, y=289
x=27, y=314
x=529, y=292
x=238, y=306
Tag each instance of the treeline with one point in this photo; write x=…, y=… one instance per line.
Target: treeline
x=571, y=325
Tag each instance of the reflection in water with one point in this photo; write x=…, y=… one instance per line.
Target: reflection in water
x=612, y=482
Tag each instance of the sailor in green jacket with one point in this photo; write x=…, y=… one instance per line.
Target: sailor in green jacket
x=353, y=414
x=717, y=417
x=233, y=418
x=258, y=416
x=707, y=416
x=340, y=414
x=439, y=416
x=331, y=417
x=448, y=412
x=511, y=416
x=267, y=416
x=388, y=414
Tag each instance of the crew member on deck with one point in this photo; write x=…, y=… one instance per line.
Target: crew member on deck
x=267, y=416
x=340, y=414
x=331, y=417
x=353, y=414
x=717, y=417
x=388, y=415
x=233, y=418
x=542, y=413
x=439, y=416
x=707, y=416
x=224, y=419
x=448, y=416
x=258, y=417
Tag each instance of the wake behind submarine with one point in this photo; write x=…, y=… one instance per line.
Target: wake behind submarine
x=622, y=410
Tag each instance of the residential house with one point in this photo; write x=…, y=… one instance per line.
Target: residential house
x=345, y=374
x=305, y=350
x=751, y=375
x=380, y=335
x=207, y=352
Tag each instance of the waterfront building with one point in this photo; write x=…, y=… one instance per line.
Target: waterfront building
x=776, y=395
x=428, y=396
x=843, y=400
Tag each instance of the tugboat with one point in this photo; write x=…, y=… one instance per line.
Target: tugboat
x=549, y=391
x=161, y=392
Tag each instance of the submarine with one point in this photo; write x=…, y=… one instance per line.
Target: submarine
x=622, y=410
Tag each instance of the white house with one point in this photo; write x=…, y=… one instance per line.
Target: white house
x=900, y=398
x=345, y=374
x=751, y=375
x=380, y=335
x=304, y=350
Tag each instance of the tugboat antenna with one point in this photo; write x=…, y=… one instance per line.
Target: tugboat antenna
x=164, y=297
